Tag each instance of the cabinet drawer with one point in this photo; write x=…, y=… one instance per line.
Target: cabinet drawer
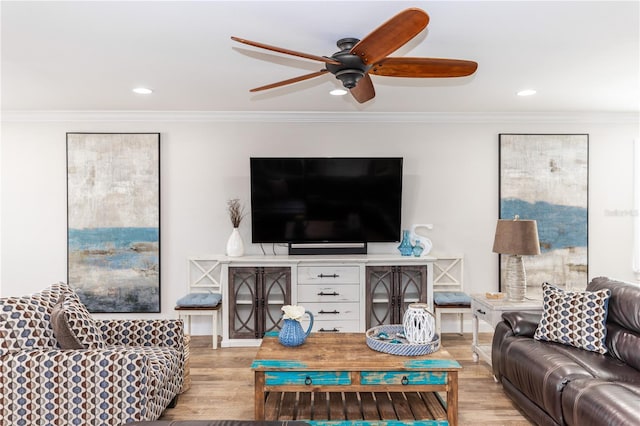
x=328, y=274
x=481, y=311
x=334, y=311
x=328, y=293
x=403, y=377
x=333, y=326
x=309, y=378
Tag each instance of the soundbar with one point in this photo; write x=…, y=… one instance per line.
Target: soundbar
x=327, y=248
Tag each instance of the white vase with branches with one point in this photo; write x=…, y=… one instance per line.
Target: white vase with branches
x=235, y=245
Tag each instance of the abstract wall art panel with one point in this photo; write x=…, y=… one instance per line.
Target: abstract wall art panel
x=113, y=213
x=546, y=178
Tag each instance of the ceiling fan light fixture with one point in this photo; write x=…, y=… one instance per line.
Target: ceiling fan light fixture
x=527, y=92
x=349, y=77
x=142, y=91
x=338, y=92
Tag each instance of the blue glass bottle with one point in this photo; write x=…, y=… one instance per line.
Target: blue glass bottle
x=418, y=249
x=405, y=247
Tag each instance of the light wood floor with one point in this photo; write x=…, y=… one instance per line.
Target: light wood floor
x=222, y=386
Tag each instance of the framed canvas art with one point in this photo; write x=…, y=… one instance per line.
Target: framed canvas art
x=546, y=178
x=113, y=215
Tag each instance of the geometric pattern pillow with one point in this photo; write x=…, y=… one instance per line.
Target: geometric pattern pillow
x=51, y=295
x=73, y=325
x=24, y=324
x=576, y=318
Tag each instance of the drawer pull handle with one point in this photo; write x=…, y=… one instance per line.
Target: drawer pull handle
x=307, y=380
x=328, y=276
x=322, y=293
x=329, y=312
x=481, y=312
x=405, y=380
x=333, y=330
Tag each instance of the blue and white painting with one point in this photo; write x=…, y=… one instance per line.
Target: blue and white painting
x=545, y=178
x=113, y=199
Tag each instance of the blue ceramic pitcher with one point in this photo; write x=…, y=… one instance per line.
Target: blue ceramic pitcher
x=291, y=333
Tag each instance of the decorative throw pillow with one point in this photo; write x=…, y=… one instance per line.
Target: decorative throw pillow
x=73, y=326
x=62, y=330
x=51, y=295
x=576, y=318
x=24, y=324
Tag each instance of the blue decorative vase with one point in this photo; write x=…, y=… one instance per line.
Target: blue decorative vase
x=418, y=249
x=405, y=247
x=292, y=334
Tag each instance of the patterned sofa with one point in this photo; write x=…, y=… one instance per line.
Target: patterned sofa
x=59, y=366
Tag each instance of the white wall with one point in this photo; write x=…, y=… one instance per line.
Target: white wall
x=451, y=180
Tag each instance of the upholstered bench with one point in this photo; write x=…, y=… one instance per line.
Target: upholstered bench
x=451, y=302
x=198, y=304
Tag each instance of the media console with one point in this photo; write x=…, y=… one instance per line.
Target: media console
x=345, y=293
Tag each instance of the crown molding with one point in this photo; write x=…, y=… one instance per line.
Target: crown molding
x=320, y=117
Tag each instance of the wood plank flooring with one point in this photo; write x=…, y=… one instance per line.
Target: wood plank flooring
x=222, y=386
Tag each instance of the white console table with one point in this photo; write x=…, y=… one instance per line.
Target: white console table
x=333, y=287
x=490, y=311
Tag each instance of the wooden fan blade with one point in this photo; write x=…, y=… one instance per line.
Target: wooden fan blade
x=364, y=90
x=423, y=67
x=286, y=51
x=290, y=81
x=391, y=35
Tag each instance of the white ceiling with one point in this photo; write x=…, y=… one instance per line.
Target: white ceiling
x=581, y=56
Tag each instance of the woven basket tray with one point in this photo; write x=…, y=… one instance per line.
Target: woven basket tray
x=404, y=347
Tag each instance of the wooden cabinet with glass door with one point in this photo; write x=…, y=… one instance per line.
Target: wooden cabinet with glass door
x=256, y=296
x=390, y=289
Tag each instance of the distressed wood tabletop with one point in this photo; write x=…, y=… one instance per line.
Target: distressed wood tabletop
x=343, y=352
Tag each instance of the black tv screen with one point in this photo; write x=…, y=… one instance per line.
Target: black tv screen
x=325, y=200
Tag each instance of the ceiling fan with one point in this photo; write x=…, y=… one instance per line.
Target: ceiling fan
x=359, y=58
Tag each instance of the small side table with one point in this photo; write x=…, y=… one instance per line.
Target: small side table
x=490, y=311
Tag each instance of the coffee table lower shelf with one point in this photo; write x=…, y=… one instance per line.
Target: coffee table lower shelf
x=358, y=408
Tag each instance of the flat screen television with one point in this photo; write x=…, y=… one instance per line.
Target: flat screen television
x=326, y=200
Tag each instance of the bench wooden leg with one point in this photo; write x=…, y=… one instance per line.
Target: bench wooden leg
x=214, y=330
x=187, y=315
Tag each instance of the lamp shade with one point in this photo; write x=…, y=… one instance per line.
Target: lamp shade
x=519, y=237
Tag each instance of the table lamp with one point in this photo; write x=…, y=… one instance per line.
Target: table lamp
x=516, y=238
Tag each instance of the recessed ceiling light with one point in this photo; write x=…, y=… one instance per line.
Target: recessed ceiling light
x=338, y=92
x=526, y=92
x=142, y=91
